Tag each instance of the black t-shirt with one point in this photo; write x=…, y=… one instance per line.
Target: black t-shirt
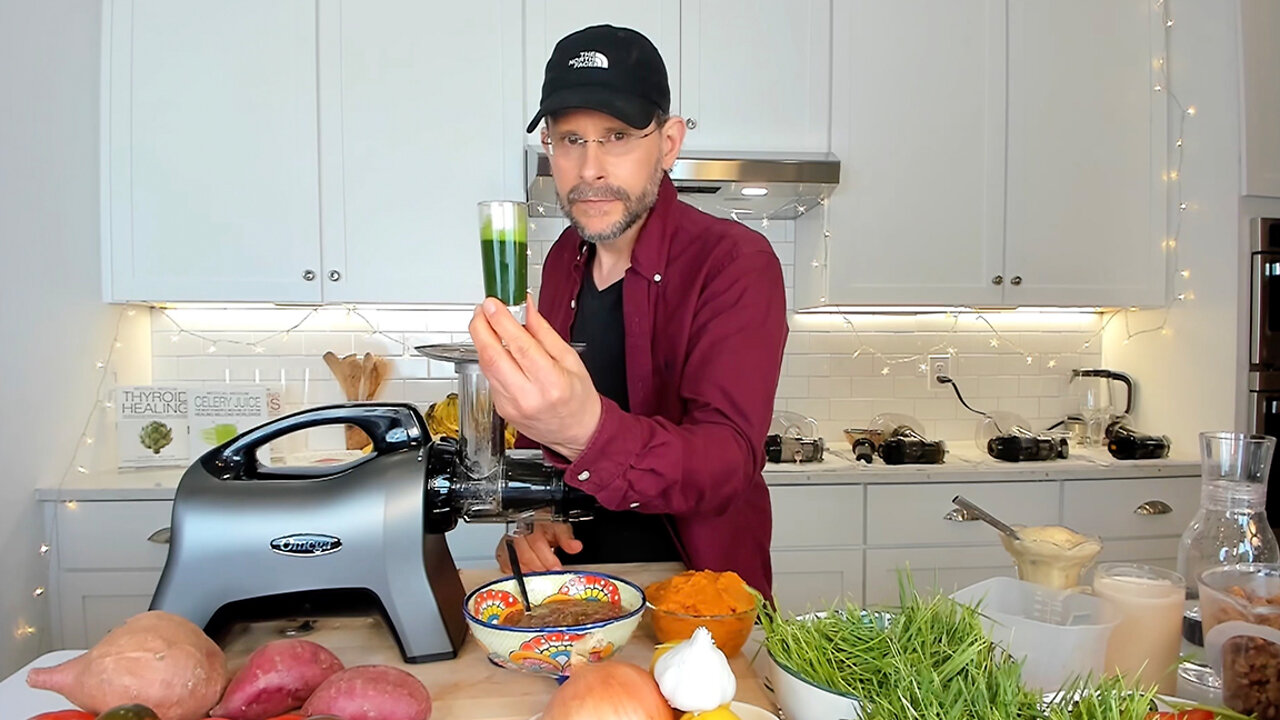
x=612, y=536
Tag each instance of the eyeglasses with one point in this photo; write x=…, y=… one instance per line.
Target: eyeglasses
x=572, y=146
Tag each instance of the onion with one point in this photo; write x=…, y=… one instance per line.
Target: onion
x=612, y=690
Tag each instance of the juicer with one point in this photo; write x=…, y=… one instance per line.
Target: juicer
x=250, y=542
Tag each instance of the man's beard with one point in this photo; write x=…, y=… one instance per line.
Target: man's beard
x=634, y=208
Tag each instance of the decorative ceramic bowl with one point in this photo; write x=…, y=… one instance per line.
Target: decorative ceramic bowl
x=546, y=650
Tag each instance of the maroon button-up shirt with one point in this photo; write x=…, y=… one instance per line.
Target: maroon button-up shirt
x=706, y=324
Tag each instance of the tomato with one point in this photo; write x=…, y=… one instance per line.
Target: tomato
x=65, y=715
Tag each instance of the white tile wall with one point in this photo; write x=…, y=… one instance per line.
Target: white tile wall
x=825, y=374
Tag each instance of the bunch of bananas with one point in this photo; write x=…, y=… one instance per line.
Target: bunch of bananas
x=442, y=420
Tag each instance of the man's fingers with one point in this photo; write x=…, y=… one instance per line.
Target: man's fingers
x=546, y=554
x=565, y=539
x=541, y=330
x=498, y=365
x=526, y=349
x=529, y=560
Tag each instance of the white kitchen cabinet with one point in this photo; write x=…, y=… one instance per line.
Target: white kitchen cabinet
x=210, y=184
x=1147, y=507
x=932, y=570
x=547, y=21
x=918, y=101
x=993, y=153
x=805, y=580
x=923, y=513
x=816, y=516
x=90, y=604
x=1085, y=194
x=756, y=75
x=1260, y=97
x=421, y=119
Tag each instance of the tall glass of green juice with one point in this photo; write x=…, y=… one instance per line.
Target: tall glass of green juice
x=504, y=252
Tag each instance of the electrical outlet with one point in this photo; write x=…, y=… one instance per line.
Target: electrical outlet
x=938, y=365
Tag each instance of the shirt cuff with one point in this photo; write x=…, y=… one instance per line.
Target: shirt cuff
x=607, y=457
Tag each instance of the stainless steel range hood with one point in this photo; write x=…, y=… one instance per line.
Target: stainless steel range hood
x=743, y=185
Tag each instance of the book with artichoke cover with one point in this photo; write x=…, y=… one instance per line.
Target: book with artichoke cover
x=151, y=426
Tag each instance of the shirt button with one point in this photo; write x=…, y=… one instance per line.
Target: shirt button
x=573, y=304
x=635, y=505
x=657, y=277
x=584, y=476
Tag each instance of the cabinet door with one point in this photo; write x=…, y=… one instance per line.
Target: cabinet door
x=421, y=113
x=936, y=570
x=211, y=175
x=918, y=94
x=1086, y=154
x=1259, y=27
x=760, y=84
x=1146, y=507
x=923, y=513
x=92, y=603
x=805, y=580
x=546, y=21
x=816, y=516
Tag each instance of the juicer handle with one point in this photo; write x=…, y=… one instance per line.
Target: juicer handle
x=1126, y=380
x=1215, y=639
x=390, y=427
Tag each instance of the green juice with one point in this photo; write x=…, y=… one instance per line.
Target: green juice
x=506, y=266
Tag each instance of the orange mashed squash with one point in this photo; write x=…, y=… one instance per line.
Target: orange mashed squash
x=702, y=592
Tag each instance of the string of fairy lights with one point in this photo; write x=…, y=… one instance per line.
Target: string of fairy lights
x=79, y=464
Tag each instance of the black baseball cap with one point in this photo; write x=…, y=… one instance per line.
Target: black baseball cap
x=614, y=70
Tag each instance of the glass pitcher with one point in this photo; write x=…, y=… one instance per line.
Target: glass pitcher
x=1231, y=526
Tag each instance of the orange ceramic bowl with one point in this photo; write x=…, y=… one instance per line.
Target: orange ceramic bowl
x=729, y=631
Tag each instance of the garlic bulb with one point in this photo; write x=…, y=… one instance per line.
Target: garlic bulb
x=695, y=676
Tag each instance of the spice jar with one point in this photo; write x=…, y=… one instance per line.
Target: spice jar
x=1240, y=605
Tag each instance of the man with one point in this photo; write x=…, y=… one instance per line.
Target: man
x=663, y=418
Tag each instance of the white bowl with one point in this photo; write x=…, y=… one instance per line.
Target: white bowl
x=802, y=700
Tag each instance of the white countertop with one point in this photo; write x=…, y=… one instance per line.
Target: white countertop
x=964, y=464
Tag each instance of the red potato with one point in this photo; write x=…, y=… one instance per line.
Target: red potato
x=155, y=658
x=371, y=692
x=278, y=677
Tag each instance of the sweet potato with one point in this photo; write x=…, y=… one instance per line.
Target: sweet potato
x=278, y=677
x=157, y=659
x=371, y=692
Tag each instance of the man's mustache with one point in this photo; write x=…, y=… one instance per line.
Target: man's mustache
x=597, y=192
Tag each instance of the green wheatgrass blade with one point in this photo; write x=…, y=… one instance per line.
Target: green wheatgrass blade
x=933, y=661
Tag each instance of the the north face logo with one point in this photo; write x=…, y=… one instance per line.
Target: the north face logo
x=590, y=59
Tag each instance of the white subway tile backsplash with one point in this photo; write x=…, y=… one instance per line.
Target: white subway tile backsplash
x=410, y=368
x=194, y=369
x=849, y=366
x=428, y=391
x=792, y=386
x=911, y=386
x=832, y=343
x=1028, y=408
x=816, y=408
x=318, y=343
x=936, y=409
x=996, y=387
x=852, y=412
x=441, y=370
x=797, y=343
x=830, y=387
x=809, y=365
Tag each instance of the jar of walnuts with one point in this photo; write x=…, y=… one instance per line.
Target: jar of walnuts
x=1240, y=605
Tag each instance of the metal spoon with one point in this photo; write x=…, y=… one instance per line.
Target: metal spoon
x=984, y=516
x=515, y=570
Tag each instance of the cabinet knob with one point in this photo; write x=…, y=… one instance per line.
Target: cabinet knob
x=161, y=536
x=1015, y=280
x=997, y=280
x=334, y=275
x=1153, y=507
x=961, y=515
x=691, y=123
x=308, y=275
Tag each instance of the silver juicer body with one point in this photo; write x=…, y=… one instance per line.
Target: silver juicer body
x=249, y=541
